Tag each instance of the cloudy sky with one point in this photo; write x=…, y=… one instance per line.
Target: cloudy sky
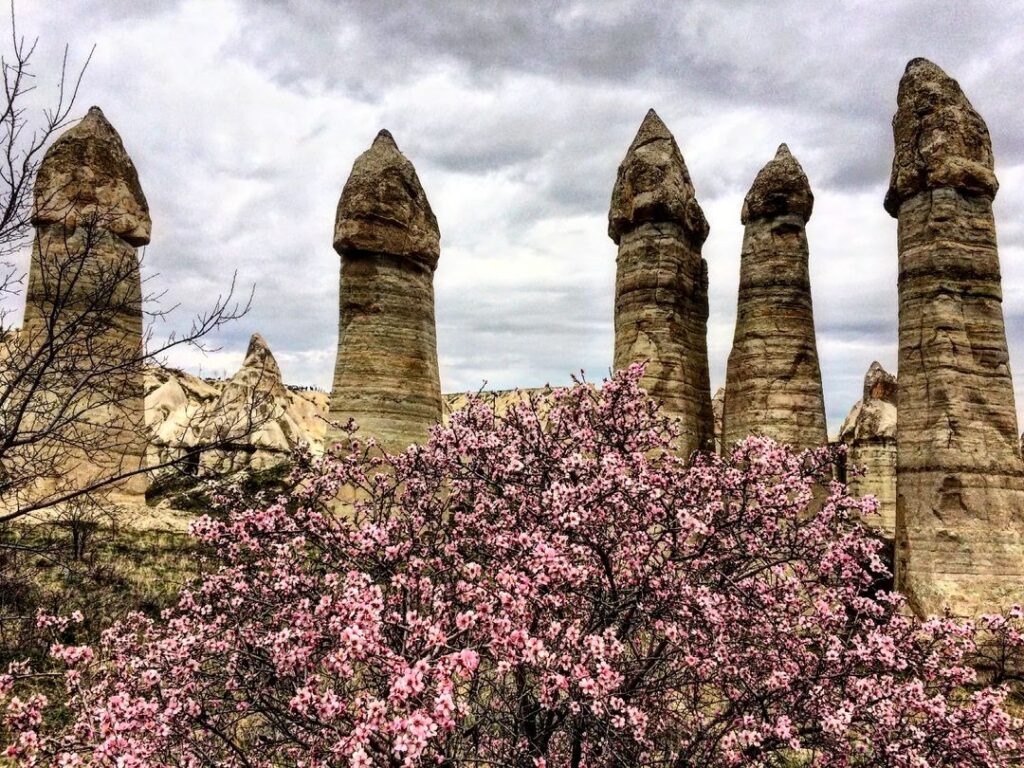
x=243, y=118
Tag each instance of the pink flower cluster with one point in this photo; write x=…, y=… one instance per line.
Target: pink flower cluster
x=548, y=587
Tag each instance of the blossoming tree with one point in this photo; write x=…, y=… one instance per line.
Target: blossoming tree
x=548, y=587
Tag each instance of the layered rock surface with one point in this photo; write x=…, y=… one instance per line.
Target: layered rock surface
x=773, y=380
x=869, y=433
x=386, y=375
x=84, y=308
x=661, y=283
x=960, y=478
x=254, y=419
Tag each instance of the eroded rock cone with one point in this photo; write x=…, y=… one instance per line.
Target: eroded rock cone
x=386, y=375
x=661, y=284
x=773, y=380
x=84, y=304
x=252, y=417
x=960, y=479
x=869, y=432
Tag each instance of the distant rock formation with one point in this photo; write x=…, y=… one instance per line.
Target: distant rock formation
x=869, y=433
x=773, y=380
x=661, y=284
x=386, y=375
x=718, y=409
x=255, y=419
x=84, y=305
x=960, y=478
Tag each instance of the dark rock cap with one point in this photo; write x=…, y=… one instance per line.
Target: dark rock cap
x=879, y=384
x=941, y=141
x=383, y=208
x=653, y=185
x=87, y=176
x=780, y=188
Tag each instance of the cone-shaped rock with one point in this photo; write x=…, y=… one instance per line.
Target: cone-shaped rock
x=773, y=380
x=386, y=375
x=960, y=479
x=661, y=284
x=869, y=432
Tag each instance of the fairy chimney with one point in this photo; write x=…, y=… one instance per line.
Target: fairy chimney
x=773, y=380
x=869, y=433
x=960, y=478
x=661, y=283
x=84, y=305
x=386, y=374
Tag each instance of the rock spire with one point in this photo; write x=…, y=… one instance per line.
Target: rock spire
x=90, y=215
x=386, y=375
x=661, y=284
x=960, y=479
x=869, y=432
x=773, y=380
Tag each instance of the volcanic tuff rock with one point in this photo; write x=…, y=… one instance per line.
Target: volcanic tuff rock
x=661, y=284
x=869, y=431
x=960, y=478
x=84, y=287
x=253, y=416
x=773, y=380
x=718, y=409
x=386, y=374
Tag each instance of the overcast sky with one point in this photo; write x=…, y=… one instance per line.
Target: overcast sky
x=244, y=118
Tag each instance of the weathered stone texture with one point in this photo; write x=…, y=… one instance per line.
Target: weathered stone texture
x=386, y=375
x=661, y=284
x=869, y=433
x=960, y=479
x=773, y=380
x=84, y=302
x=718, y=409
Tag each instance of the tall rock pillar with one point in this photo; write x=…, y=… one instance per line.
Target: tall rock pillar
x=959, y=476
x=661, y=284
x=84, y=307
x=773, y=381
x=386, y=375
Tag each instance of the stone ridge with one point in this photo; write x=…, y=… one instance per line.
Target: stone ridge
x=87, y=176
x=653, y=185
x=780, y=188
x=940, y=140
x=383, y=208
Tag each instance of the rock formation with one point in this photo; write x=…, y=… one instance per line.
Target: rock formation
x=960, y=478
x=386, y=375
x=661, y=283
x=869, y=433
x=255, y=418
x=773, y=381
x=84, y=305
x=718, y=409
